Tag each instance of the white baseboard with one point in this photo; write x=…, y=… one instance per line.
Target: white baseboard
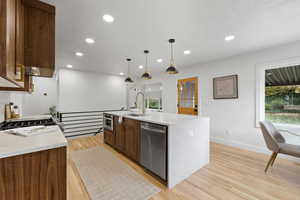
x=250, y=148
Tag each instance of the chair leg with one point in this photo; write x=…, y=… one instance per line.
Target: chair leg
x=270, y=161
x=275, y=156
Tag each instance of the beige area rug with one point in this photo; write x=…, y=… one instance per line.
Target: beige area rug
x=108, y=178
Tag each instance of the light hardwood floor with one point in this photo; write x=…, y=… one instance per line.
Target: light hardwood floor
x=232, y=174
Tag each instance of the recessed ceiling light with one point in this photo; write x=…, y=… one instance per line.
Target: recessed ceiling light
x=108, y=18
x=159, y=60
x=121, y=73
x=229, y=37
x=141, y=66
x=187, y=52
x=79, y=54
x=90, y=40
x=69, y=66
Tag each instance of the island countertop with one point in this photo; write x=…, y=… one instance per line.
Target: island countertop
x=13, y=145
x=187, y=141
x=157, y=117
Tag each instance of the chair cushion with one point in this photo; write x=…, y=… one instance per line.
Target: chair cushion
x=289, y=149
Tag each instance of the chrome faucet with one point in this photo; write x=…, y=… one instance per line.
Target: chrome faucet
x=136, y=102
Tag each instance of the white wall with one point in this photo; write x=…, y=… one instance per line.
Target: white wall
x=35, y=103
x=70, y=91
x=4, y=99
x=85, y=91
x=232, y=120
x=43, y=97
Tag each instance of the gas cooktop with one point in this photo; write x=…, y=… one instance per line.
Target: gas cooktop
x=26, y=123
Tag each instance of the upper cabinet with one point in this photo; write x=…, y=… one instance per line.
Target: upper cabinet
x=39, y=38
x=27, y=42
x=11, y=63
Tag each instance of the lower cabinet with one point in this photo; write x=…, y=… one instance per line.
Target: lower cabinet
x=132, y=139
x=36, y=176
x=120, y=135
x=126, y=137
x=109, y=137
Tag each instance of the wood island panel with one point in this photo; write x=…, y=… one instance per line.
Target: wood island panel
x=34, y=176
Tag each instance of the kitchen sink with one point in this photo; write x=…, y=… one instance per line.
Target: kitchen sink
x=136, y=115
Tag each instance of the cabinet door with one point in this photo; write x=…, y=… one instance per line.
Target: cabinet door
x=20, y=39
x=8, y=38
x=40, y=175
x=20, y=67
x=40, y=36
x=109, y=137
x=12, y=44
x=120, y=135
x=132, y=139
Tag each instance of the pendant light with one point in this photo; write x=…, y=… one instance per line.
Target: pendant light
x=172, y=69
x=128, y=79
x=146, y=75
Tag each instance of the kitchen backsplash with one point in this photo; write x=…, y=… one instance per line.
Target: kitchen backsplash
x=4, y=99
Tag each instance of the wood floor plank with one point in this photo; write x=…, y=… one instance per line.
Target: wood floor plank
x=233, y=174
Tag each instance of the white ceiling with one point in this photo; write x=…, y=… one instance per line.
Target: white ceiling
x=198, y=25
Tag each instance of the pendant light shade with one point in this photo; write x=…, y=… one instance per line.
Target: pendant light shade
x=172, y=69
x=146, y=75
x=128, y=79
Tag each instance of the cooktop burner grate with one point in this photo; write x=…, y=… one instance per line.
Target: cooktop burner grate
x=19, y=124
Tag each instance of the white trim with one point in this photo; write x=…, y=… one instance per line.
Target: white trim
x=260, y=83
x=260, y=97
x=250, y=148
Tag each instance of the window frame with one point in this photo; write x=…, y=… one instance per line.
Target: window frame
x=148, y=103
x=260, y=89
x=147, y=98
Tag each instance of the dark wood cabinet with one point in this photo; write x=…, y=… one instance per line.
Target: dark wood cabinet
x=40, y=36
x=27, y=38
x=35, y=176
x=109, y=137
x=11, y=38
x=127, y=138
x=20, y=37
x=120, y=135
x=132, y=138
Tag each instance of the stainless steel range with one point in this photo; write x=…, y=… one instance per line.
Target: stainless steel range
x=6, y=125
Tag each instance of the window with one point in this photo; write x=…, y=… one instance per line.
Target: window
x=153, y=96
x=278, y=93
x=153, y=103
x=282, y=95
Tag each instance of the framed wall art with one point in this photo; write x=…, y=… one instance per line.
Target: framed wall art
x=225, y=87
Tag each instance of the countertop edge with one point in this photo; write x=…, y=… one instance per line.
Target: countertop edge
x=34, y=150
x=151, y=121
x=139, y=119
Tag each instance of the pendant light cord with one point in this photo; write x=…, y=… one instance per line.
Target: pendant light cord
x=128, y=70
x=172, y=55
x=146, y=62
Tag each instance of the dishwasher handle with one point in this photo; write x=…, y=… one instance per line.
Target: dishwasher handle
x=153, y=128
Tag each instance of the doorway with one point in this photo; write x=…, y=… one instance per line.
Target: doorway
x=188, y=96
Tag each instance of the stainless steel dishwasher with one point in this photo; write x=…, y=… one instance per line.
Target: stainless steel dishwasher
x=154, y=148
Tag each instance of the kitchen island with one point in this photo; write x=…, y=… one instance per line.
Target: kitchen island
x=187, y=138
